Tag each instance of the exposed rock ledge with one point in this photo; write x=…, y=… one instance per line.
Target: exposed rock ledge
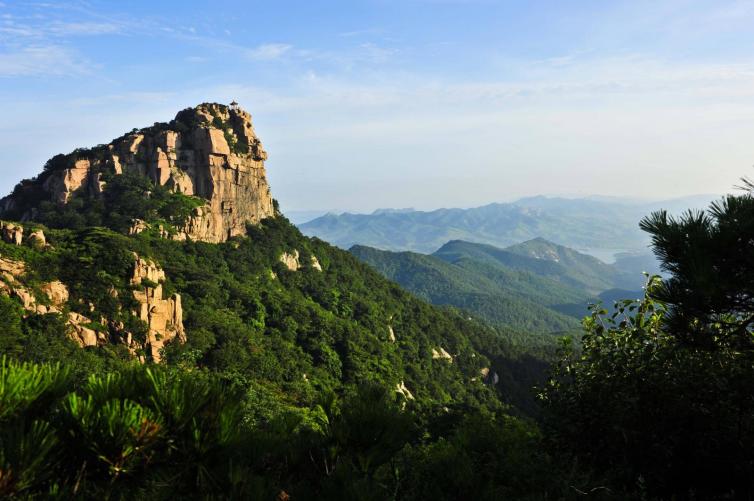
x=14, y=234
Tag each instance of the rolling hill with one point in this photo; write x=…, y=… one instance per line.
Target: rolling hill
x=536, y=286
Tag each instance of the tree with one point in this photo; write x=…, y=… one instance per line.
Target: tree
x=659, y=399
x=710, y=256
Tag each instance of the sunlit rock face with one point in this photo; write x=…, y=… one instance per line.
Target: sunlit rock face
x=210, y=151
x=163, y=316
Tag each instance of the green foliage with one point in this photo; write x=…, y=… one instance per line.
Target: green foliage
x=28, y=452
x=484, y=457
x=651, y=412
x=709, y=256
x=154, y=432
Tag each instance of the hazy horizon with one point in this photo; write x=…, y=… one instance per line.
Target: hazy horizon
x=618, y=199
x=382, y=104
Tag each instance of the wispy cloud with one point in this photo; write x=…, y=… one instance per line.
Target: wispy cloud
x=131, y=98
x=42, y=60
x=357, y=33
x=268, y=51
x=84, y=28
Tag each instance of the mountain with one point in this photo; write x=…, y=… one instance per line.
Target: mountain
x=165, y=245
x=572, y=267
x=210, y=153
x=584, y=224
x=536, y=286
x=299, y=217
x=502, y=297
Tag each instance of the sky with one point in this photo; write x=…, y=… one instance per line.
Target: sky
x=402, y=103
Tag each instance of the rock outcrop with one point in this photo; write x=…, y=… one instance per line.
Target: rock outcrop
x=81, y=333
x=57, y=292
x=56, y=296
x=315, y=264
x=292, y=261
x=210, y=152
x=11, y=233
x=164, y=316
x=37, y=239
x=441, y=354
x=404, y=391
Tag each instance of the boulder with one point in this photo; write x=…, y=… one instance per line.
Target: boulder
x=57, y=292
x=37, y=239
x=84, y=336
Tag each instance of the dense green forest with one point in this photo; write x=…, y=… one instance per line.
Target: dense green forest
x=533, y=288
x=518, y=301
x=293, y=351
x=338, y=384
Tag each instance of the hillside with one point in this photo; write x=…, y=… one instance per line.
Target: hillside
x=164, y=249
x=603, y=225
x=547, y=259
x=533, y=287
x=111, y=252
x=503, y=297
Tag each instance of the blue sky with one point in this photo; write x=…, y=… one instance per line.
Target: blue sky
x=421, y=103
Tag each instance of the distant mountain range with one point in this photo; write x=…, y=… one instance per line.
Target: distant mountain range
x=596, y=225
x=535, y=287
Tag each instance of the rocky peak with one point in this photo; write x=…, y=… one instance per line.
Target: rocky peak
x=210, y=152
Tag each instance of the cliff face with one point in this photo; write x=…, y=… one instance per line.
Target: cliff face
x=163, y=316
x=210, y=152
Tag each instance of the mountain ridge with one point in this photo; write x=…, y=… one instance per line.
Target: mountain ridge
x=575, y=223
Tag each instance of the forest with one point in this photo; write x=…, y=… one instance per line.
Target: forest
x=286, y=385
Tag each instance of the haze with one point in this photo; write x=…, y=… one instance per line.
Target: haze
x=402, y=103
